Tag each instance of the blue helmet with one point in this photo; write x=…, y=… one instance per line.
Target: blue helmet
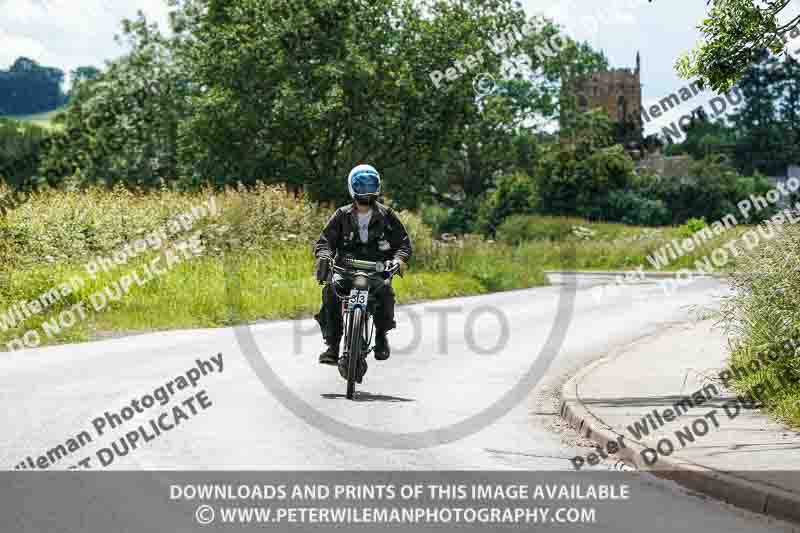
x=364, y=183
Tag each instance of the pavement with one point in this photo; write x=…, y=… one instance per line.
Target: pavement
x=716, y=443
x=435, y=379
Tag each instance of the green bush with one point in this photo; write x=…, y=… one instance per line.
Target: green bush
x=435, y=216
x=712, y=190
x=513, y=194
x=631, y=207
x=577, y=183
x=20, y=150
x=459, y=219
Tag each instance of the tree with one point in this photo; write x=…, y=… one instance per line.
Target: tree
x=735, y=32
x=123, y=126
x=576, y=176
x=759, y=145
x=301, y=92
x=705, y=138
x=789, y=108
x=85, y=73
x=21, y=144
x=298, y=93
x=502, y=138
x=711, y=189
x=28, y=87
x=513, y=194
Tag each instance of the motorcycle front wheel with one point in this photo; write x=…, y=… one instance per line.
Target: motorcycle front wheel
x=354, y=349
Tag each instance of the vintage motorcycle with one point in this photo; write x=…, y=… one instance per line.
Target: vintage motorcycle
x=354, y=283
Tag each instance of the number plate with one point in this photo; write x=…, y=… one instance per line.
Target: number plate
x=358, y=297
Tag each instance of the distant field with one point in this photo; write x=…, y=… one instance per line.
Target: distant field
x=40, y=119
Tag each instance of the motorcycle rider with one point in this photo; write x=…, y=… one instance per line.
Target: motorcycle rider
x=367, y=230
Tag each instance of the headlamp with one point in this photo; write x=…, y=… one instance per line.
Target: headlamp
x=360, y=282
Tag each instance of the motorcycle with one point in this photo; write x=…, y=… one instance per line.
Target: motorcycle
x=354, y=284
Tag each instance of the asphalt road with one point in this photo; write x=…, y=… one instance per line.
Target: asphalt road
x=50, y=395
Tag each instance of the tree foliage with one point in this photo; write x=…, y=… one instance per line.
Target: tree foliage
x=283, y=92
x=735, y=32
x=123, y=125
x=301, y=93
x=28, y=87
x=514, y=194
x=763, y=135
x=506, y=137
x=711, y=190
x=21, y=145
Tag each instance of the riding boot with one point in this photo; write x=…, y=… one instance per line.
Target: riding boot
x=382, y=349
x=331, y=355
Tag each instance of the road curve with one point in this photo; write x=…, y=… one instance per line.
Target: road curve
x=436, y=377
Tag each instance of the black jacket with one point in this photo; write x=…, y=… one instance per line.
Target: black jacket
x=388, y=238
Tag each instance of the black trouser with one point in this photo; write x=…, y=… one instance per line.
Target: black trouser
x=330, y=317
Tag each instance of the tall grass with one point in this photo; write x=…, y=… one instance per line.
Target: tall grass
x=763, y=317
x=256, y=261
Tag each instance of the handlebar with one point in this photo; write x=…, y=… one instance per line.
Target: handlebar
x=376, y=266
x=372, y=268
x=388, y=271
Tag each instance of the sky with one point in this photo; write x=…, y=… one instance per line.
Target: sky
x=70, y=33
x=660, y=31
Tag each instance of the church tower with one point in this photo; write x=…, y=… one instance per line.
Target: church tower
x=618, y=92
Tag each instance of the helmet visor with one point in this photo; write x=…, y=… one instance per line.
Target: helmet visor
x=365, y=183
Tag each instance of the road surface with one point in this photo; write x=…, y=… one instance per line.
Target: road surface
x=52, y=394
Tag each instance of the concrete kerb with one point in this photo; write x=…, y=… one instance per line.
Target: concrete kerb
x=753, y=496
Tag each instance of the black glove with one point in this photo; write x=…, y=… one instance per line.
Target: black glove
x=400, y=264
x=323, y=268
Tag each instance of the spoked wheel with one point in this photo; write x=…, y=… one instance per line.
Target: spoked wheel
x=354, y=350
